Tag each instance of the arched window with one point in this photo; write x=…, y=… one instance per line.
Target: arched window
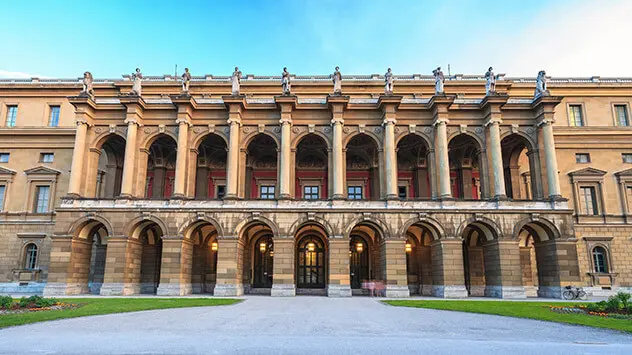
x=30, y=260
x=600, y=260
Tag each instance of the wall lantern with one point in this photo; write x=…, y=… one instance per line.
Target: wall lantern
x=262, y=247
x=409, y=247
x=311, y=246
x=214, y=246
x=359, y=247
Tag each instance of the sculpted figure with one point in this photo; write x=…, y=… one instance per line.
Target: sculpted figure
x=87, y=84
x=186, y=80
x=236, y=80
x=336, y=77
x=388, y=82
x=439, y=79
x=285, y=81
x=137, y=77
x=540, y=84
x=490, y=86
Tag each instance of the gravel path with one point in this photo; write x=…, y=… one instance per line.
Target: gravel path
x=314, y=325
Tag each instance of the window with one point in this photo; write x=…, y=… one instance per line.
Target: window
x=4, y=157
x=401, y=192
x=310, y=192
x=589, y=200
x=582, y=158
x=600, y=261
x=221, y=191
x=30, y=260
x=42, y=198
x=46, y=157
x=627, y=158
x=3, y=188
x=266, y=192
x=621, y=114
x=354, y=192
x=53, y=120
x=12, y=114
x=575, y=115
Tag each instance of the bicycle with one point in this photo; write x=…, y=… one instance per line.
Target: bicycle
x=574, y=293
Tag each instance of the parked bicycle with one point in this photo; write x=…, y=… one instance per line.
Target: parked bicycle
x=574, y=293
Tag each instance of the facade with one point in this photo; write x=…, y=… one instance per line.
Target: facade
x=266, y=190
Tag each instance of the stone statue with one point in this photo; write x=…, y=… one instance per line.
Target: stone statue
x=540, y=85
x=87, y=84
x=337, y=79
x=439, y=79
x=138, y=81
x=285, y=82
x=388, y=82
x=490, y=86
x=186, y=80
x=236, y=80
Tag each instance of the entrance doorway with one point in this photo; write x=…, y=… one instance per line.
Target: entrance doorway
x=311, y=262
x=358, y=261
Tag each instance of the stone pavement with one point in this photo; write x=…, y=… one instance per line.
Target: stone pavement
x=317, y=325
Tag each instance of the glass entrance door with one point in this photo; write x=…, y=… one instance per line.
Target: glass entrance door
x=263, y=265
x=311, y=263
x=359, y=261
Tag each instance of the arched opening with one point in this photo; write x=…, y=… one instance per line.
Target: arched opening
x=362, y=164
x=600, y=260
x=204, y=264
x=480, y=260
x=521, y=168
x=419, y=259
x=365, y=256
x=161, y=168
x=97, y=259
x=311, y=179
x=30, y=256
x=258, y=258
x=412, y=168
x=465, y=167
x=312, y=259
x=110, y=168
x=261, y=168
x=89, y=257
x=528, y=264
x=359, y=261
x=210, y=177
x=150, y=236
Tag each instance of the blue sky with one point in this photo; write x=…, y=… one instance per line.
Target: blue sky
x=111, y=38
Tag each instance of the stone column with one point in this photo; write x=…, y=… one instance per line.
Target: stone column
x=443, y=160
x=129, y=162
x=339, y=284
x=283, y=271
x=122, y=267
x=232, y=170
x=448, y=278
x=551, y=159
x=175, y=267
x=76, y=171
x=394, y=267
x=229, y=268
x=338, y=171
x=497, y=160
x=181, y=158
x=284, y=171
x=69, y=266
x=390, y=159
x=503, y=274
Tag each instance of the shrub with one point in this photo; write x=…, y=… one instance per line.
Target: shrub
x=624, y=299
x=6, y=302
x=36, y=301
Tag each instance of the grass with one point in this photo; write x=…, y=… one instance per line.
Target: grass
x=531, y=310
x=97, y=306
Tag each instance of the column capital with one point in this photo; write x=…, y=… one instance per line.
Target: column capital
x=494, y=121
x=184, y=120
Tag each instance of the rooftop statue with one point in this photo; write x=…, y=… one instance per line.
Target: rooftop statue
x=137, y=77
x=336, y=77
x=285, y=82
x=388, y=82
x=490, y=86
x=236, y=80
x=186, y=80
x=87, y=84
x=540, y=85
x=439, y=79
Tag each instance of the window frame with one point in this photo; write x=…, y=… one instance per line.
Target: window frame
x=51, y=106
x=583, y=200
x=40, y=176
x=605, y=264
x=271, y=196
x=8, y=106
x=582, y=112
x=27, y=261
x=615, y=119
x=311, y=193
x=623, y=158
x=45, y=207
x=355, y=187
x=577, y=155
x=42, y=156
x=588, y=177
x=8, y=155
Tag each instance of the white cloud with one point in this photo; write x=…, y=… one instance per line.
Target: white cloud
x=5, y=74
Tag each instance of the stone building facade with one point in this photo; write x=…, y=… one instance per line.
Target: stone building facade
x=451, y=195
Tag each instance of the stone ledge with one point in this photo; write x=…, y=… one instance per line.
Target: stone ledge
x=338, y=291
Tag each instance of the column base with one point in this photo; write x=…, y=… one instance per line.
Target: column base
x=477, y=291
x=283, y=290
x=338, y=197
x=550, y=291
x=174, y=289
x=64, y=289
x=72, y=196
x=231, y=197
x=449, y=291
x=392, y=197
x=338, y=291
x=285, y=197
x=556, y=198
x=119, y=289
x=395, y=291
x=505, y=292
x=500, y=198
x=178, y=197
x=228, y=290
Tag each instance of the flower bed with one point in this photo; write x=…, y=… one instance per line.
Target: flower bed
x=31, y=304
x=617, y=306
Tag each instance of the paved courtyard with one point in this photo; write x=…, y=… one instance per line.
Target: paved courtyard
x=315, y=325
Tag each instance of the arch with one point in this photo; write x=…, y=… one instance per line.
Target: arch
x=490, y=229
x=295, y=142
x=382, y=227
x=30, y=262
x=135, y=226
x=373, y=136
x=424, y=137
x=541, y=228
x=251, y=136
x=199, y=139
x=432, y=224
x=78, y=226
x=531, y=144
x=188, y=226
x=246, y=222
x=152, y=137
x=479, y=141
x=303, y=221
x=602, y=249
x=99, y=140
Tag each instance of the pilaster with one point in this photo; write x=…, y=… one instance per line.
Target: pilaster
x=388, y=105
x=337, y=104
x=235, y=105
x=284, y=267
x=135, y=106
x=339, y=284
x=175, y=267
x=439, y=106
x=122, y=267
x=286, y=105
x=185, y=105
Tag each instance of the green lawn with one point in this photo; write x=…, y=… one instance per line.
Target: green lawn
x=532, y=310
x=96, y=306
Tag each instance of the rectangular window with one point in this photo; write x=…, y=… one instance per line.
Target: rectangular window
x=401, y=192
x=575, y=113
x=589, y=200
x=310, y=192
x=12, y=114
x=354, y=192
x=46, y=157
x=621, y=113
x=31, y=257
x=43, y=196
x=582, y=158
x=3, y=188
x=627, y=158
x=221, y=191
x=53, y=121
x=4, y=157
x=266, y=192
